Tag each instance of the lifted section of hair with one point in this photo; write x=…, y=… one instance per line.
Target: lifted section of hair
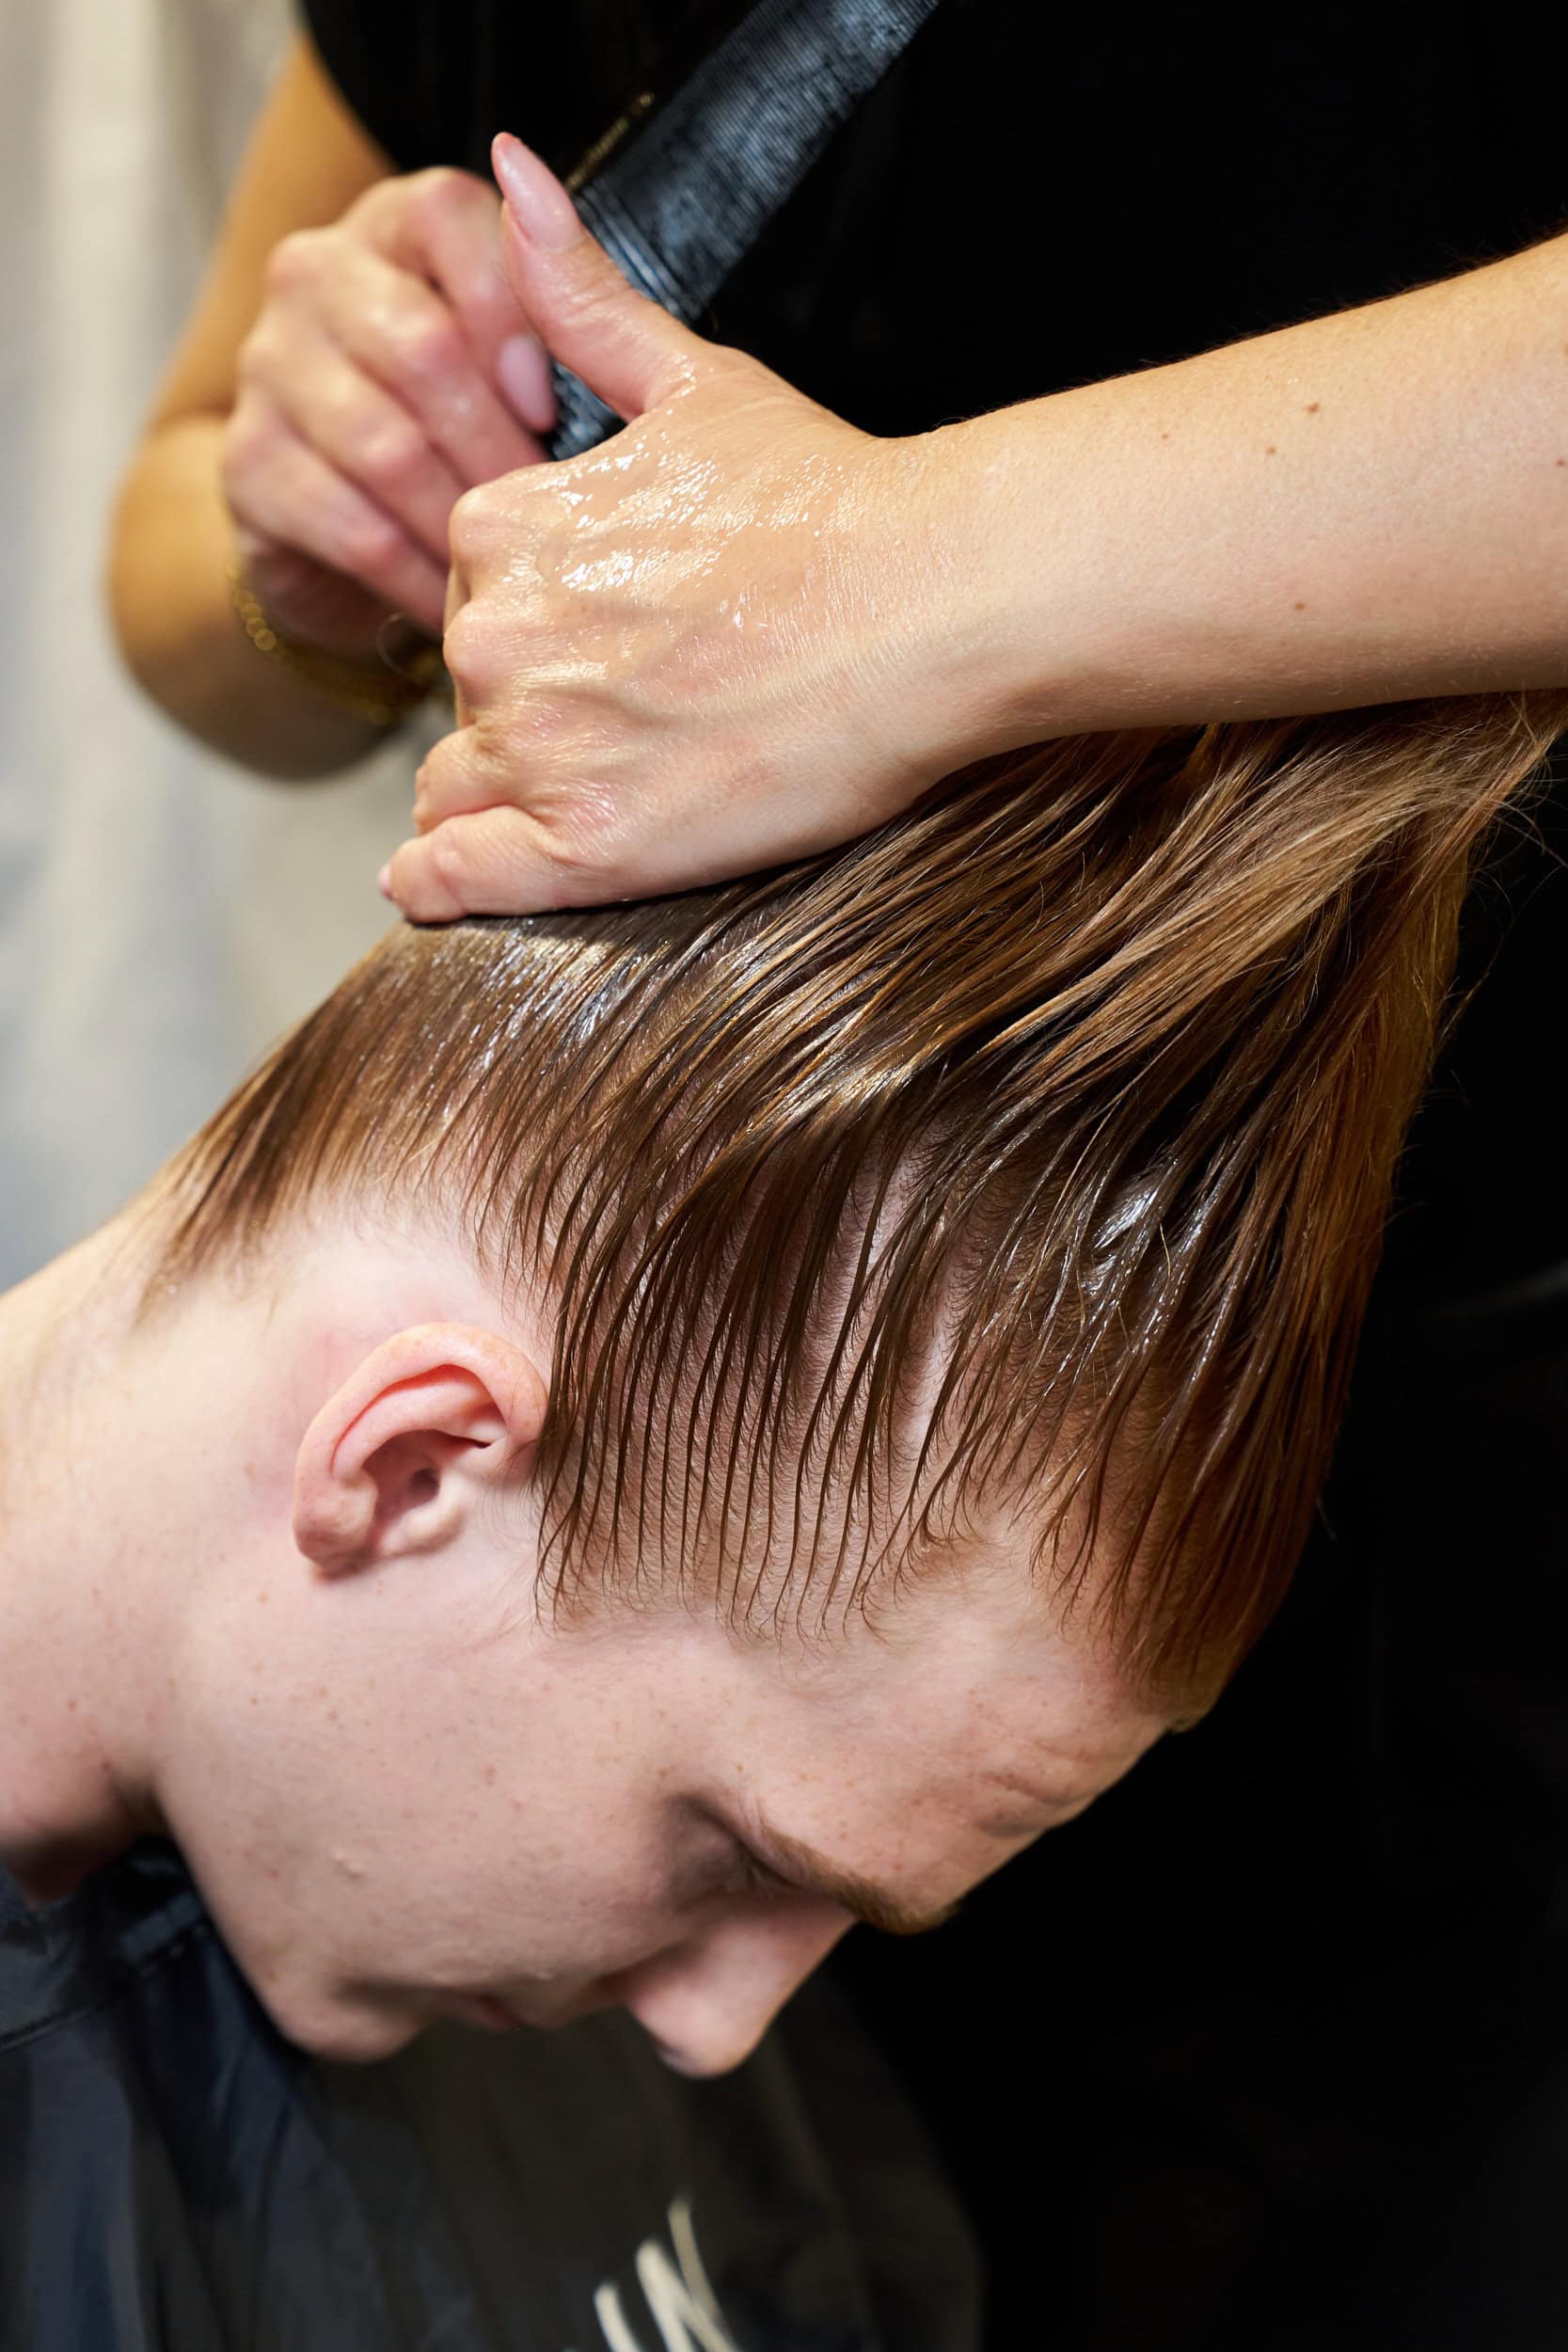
x=1034, y=1150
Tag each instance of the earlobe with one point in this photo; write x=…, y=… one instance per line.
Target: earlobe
x=394, y=1462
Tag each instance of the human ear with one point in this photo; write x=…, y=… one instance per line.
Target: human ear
x=432, y=1421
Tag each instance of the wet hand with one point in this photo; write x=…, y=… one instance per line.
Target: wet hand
x=718, y=641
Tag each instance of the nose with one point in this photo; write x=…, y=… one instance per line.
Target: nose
x=707, y=2004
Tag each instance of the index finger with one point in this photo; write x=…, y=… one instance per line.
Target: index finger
x=494, y=862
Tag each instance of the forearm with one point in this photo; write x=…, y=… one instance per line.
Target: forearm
x=1365, y=508
x=176, y=627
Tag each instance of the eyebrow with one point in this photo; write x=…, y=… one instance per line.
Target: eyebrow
x=807, y=1873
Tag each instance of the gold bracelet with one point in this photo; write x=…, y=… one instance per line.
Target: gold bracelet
x=340, y=681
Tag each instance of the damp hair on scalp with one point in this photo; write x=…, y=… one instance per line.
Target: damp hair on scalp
x=1033, y=1152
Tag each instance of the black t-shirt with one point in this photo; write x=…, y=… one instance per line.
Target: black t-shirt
x=1269, y=2053
x=1039, y=197
x=174, y=2177
x=1034, y=196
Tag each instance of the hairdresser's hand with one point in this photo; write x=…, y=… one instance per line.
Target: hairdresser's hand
x=389, y=371
x=721, y=641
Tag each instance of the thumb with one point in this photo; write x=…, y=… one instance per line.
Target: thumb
x=625, y=348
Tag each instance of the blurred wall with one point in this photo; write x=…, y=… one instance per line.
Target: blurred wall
x=162, y=915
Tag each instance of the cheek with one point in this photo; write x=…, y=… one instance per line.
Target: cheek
x=547, y=1895
x=323, y=1837
x=390, y=1820
x=459, y=1873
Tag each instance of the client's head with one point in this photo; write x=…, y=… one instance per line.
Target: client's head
x=658, y=1430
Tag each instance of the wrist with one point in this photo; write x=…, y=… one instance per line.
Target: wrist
x=1095, y=576
x=383, y=692
x=986, y=663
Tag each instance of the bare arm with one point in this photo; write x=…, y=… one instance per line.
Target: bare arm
x=1365, y=508
x=355, y=361
x=818, y=624
x=173, y=533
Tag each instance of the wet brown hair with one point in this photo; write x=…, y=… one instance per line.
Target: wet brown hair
x=1036, y=1147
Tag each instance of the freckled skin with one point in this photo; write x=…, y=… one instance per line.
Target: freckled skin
x=560, y=1840
x=400, y=1786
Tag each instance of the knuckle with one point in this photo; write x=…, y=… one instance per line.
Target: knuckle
x=441, y=194
x=582, y=839
x=394, y=458
x=369, y=542
x=430, y=350
x=446, y=865
x=380, y=201
x=586, y=302
x=427, y=784
x=470, y=528
x=254, y=361
x=469, y=649
x=248, y=442
x=294, y=262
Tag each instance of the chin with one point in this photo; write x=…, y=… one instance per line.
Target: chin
x=342, y=2032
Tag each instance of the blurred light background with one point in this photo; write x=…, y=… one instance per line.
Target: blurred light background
x=162, y=915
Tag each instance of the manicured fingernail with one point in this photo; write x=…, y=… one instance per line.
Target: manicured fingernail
x=524, y=370
x=540, y=205
x=384, y=880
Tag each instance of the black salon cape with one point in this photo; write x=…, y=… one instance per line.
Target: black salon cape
x=1270, y=2051
x=174, y=2177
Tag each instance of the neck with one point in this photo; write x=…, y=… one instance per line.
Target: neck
x=73, y=1552
x=150, y=1462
